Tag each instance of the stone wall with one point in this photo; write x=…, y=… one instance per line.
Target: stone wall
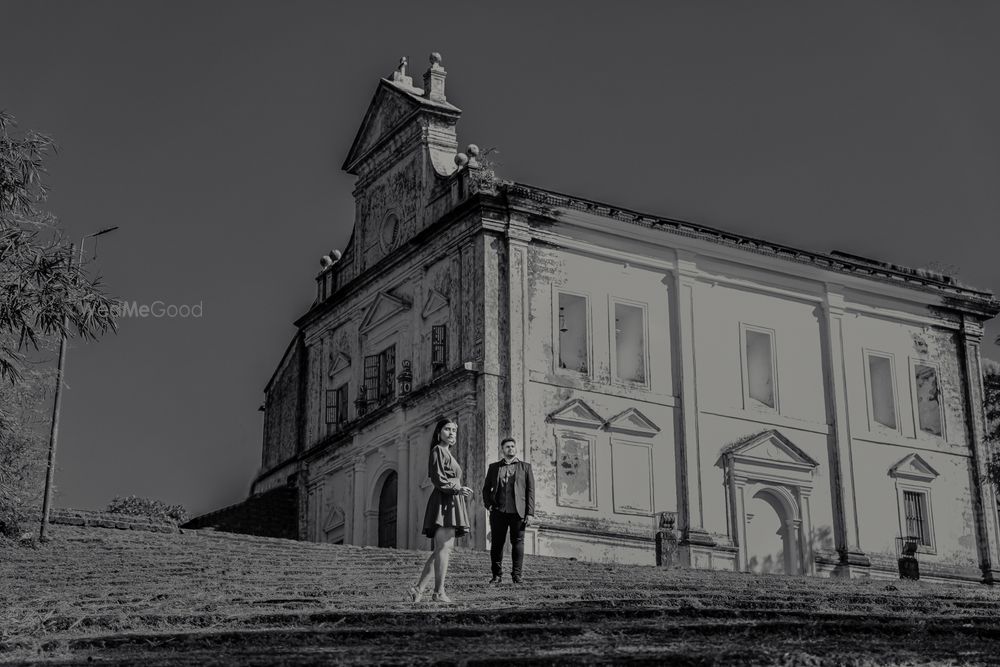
x=269, y=514
x=94, y=519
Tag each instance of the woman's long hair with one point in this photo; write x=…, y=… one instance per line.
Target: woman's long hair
x=437, y=429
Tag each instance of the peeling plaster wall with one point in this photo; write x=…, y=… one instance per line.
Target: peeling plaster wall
x=550, y=388
x=877, y=448
x=726, y=413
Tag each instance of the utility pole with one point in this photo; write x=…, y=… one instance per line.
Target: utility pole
x=57, y=403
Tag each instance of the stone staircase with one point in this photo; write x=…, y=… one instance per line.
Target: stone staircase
x=210, y=598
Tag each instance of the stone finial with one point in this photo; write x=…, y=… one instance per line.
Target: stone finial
x=473, y=152
x=399, y=74
x=434, y=80
x=461, y=160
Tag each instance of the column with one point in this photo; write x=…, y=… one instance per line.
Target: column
x=983, y=497
x=805, y=514
x=845, y=511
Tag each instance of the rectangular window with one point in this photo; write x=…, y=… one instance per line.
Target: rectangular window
x=928, y=399
x=760, y=368
x=372, y=378
x=439, y=346
x=630, y=343
x=883, y=393
x=917, y=525
x=573, y=333
x=336, y=405
x=331, y=406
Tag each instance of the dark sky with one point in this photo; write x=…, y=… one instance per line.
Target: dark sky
x=213, y=134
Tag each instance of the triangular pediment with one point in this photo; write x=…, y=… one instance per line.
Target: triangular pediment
x=435, y=302
x=338, y=362
x=388, y=108
x=770, y=445
x=577, y=413
x=384, y=307
x=334, y=519
x=913, y=466
x=633, y=422
x=394, y=102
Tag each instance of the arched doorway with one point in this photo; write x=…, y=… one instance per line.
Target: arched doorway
x=769, y=546
x=769, y=482
x=387, y=512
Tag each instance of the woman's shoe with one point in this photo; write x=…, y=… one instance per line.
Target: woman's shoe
x=416, y=595
x=441, y=597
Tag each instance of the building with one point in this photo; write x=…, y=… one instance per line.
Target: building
x=796, y=411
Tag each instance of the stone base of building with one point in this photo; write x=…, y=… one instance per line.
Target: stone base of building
x=592, y=546
x=699, y=549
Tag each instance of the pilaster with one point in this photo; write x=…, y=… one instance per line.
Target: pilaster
x=403, y=497
x=984, y=499
x=358, y=511
x=842, y=479
x=692, y=513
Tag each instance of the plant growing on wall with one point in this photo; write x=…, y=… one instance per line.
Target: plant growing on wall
x=991, y=406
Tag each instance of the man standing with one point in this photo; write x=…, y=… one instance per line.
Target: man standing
x=509, y=495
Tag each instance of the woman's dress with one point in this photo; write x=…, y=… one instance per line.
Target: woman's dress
x=446, y=506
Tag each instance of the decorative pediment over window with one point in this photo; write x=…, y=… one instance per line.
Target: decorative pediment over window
x=769, y=449
x=334, y=520
x=338, y=362
x=577, y=413
x=384, y=307
x=633, y=422
x=435, y=302
x=913, y=467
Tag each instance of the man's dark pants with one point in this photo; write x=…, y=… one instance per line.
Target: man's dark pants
x=500, y=523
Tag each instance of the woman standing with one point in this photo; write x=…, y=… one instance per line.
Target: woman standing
x=446, y=517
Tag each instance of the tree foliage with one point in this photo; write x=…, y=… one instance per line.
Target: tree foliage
x=43, y=292
x=147, y=507
x=991, y=406
x=23, y=432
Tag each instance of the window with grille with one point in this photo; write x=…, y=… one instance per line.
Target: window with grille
x=917, y=525
x=372, y=376
x=439, y=346
x=336, y=405
x=380, y=376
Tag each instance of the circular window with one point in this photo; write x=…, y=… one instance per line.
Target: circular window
x=390, y=231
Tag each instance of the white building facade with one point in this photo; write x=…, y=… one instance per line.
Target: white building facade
x=795, y=411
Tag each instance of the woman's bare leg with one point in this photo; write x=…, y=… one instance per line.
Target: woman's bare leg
x=443, y=540
x=425, y=576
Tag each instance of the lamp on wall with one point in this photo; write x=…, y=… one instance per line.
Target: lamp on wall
x=562, y=320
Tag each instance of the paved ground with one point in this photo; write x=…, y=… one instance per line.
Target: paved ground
x=106, y=596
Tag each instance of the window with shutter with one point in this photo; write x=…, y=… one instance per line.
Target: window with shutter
x=439, y=346
x=372, y=378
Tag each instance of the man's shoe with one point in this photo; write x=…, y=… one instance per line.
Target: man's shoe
x=495, y=580
x=516, y=580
